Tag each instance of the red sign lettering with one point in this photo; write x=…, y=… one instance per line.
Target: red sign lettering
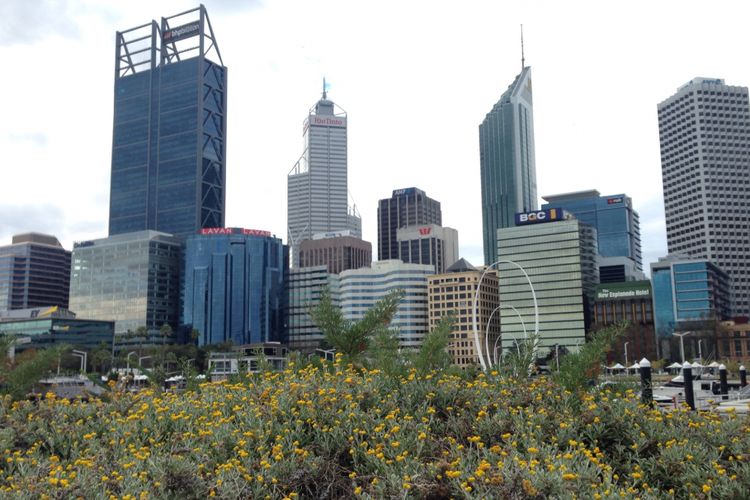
x=425, y=230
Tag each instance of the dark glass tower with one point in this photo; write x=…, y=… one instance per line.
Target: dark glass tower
x=168, y=145
x=506, y=156
x=405, y=207
x=34, y=272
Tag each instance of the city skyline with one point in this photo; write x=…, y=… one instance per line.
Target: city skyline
x=596, y=91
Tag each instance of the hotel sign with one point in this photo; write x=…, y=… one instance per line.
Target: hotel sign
x=636, y=290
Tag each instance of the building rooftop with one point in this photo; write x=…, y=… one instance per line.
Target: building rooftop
x=460, y=266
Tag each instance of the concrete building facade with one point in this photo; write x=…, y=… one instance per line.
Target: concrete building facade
x=452, y=293
x=338, y=252
x=362, y=288
x=704, y=134
x=317, y=193
x=428, y=244
x=560, y=258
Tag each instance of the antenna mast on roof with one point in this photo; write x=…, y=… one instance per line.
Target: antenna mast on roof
x=325, y=95
x=523, y=61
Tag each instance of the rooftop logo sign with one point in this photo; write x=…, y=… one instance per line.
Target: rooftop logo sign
x=181, y=32
x=549, y=215
x=234, y=230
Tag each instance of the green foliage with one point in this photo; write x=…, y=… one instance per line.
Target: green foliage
x=579, y=369
x=311, y=433
x=19, y=376
x=433, y=354
x=353, y=339
x=518, y=361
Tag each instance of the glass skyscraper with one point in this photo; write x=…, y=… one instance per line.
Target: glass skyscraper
x=317, y=192
x=506, y=156
x=617, y=224
x=169, y=135
x=687, y=291
x=234, y=286
x=704, y=135
x=133, y=279
x=34, y=272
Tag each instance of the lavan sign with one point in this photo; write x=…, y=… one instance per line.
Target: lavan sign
x=549, y=215
x=235, y=230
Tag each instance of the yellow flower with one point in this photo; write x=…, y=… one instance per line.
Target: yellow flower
x=569, y=476
x=533, y=450
x=706, y=488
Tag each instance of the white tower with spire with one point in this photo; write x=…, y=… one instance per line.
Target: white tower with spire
x=317, y=194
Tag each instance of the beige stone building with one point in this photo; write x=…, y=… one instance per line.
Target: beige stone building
x=453, y=293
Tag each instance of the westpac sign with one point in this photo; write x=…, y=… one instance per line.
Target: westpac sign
x=537, y=216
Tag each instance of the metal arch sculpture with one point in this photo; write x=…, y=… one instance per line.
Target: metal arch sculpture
x=477, y=341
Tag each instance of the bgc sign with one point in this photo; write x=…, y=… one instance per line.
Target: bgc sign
x=536, y=217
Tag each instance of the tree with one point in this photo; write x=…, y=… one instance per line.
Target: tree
x=352, y=339
x=166, y=332
x=18, y=376
x=578, y=369
x=100, y=356
x=433, y=354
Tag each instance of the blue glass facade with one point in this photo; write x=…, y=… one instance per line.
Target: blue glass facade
x=616, y=223
x=168, y=144
x=687, y=291
x=234, y=288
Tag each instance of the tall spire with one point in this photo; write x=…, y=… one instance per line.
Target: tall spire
x=523, y=61
x=325, y=94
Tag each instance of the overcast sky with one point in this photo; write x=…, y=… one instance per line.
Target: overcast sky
x=415, y=77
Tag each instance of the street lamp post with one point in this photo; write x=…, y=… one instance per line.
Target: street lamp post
x=477, y=341
x=626, y=354
x=682, y=343
x=700, y=351
x=128, y=358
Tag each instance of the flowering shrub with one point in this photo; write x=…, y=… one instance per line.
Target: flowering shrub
x=342, y=433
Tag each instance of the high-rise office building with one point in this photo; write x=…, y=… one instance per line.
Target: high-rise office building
x=305, y=286
x=690, y=294
x=169, y=137
x=337, y=251
x=506, y=157
x=452, y=293
x=133, y=279
x=617, y=225
x=405, y=207
x=360, y=289
x=34, y=272
x=559, y=254
x=234, y=286
x=704, y=134
x=428, y=244
x=317, y=192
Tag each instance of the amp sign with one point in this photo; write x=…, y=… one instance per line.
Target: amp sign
x=549, y=215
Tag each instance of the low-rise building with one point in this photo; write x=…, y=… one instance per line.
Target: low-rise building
x=452, y=294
